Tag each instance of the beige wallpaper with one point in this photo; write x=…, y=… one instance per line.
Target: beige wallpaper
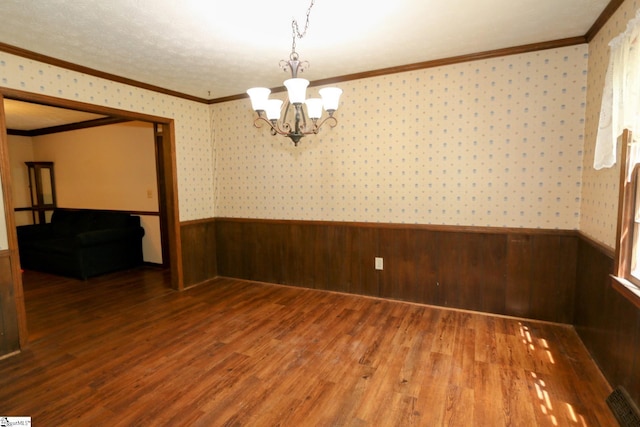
x=497, y=142
x=488, y=143
x=599, y=208
x=192, y=122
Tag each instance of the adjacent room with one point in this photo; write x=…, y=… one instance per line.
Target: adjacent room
x=92, y=163
x=429, y=218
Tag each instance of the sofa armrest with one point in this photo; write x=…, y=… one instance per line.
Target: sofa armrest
x=97, y=237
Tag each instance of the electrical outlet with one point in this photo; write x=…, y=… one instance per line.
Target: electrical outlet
x=379, y=263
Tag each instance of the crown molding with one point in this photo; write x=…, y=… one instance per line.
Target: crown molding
x=606, y=14
x=93, y=72
x=603, y=18
x=533, y=47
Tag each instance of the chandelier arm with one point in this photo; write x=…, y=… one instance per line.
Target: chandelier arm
x=296, y=133
x=332, y=123
x=315, y=128
x=275, y=129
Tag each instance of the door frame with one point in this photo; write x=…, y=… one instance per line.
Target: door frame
x=164, y=129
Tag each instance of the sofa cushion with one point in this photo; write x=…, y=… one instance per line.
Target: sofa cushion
x=72, y=222
x=65, y=223
x=106, y=220
x=97, y=237
x=62, y=245
x=28, y=233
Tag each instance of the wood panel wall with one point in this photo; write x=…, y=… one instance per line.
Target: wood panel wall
x=9, y=322
x=198, y=251
x=607, y=323
x=528, y=273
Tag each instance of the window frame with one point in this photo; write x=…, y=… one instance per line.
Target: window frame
x=623, y=281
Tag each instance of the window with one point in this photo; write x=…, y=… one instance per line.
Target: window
x=634, y=264
x=620, y=109
x=627, y=262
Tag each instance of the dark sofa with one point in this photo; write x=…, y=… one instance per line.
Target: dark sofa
x=82, y=243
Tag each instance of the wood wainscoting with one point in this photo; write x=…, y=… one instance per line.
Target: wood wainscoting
x=9, y=318
x=607, y=322
x=198, y=251
x=518, y=272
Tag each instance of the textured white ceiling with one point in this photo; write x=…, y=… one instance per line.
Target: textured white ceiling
x=27, y=116
x=212, y=49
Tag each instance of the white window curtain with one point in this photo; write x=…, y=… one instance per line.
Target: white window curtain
x=620, y=108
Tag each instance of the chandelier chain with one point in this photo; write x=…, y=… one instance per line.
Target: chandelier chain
x=296, y=28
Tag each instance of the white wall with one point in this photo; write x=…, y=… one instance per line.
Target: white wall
x=20, y=151
x=106, y=167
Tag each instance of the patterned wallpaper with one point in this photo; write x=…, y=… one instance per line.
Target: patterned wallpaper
x=599, y=208
x=496, y=142
x=192, y=121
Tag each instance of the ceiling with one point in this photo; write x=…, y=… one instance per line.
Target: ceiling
x=25, y=116
x=213, y=49
x=206, y=49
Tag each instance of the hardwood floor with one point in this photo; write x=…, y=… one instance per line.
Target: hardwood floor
x=125, y=350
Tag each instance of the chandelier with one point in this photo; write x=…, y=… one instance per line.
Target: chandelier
x=278, y=114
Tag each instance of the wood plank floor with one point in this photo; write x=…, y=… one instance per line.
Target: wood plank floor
x=124, y=350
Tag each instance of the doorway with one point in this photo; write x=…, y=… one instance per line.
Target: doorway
x=166, y=184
